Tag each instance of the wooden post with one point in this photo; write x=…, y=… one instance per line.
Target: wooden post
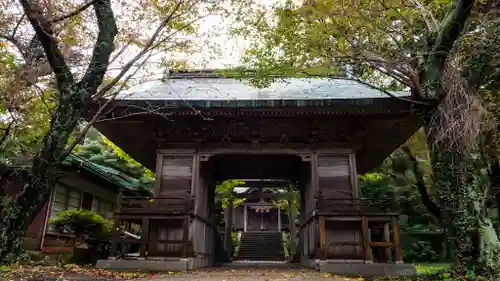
x=397, y=244
x=144, y=237
x=185, y=238
x=117, y=225
x=245, y=217
x=322, y=238
x=279, y=220
x=366, y=240
x=387, y=238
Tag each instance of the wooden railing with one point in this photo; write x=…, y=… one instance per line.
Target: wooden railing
x=366, y=212
x=154, y=205
x=362, y=206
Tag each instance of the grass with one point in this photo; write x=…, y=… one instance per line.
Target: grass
x=5, y=268
x=430, y=268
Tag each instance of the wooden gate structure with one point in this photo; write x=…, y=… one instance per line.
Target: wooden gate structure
x=320, y=133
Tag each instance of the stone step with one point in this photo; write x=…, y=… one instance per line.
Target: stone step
x=261, y=246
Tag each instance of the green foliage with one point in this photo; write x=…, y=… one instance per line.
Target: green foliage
x=429, y=268
x=225, y=193
x=100, y=150
x=420, y=251
x=292, y=195
x=235, y=240
x=396, y=178
x=87, y=227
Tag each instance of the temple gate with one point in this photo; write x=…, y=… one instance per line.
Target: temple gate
x=317, y=141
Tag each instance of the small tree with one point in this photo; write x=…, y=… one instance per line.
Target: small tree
x=226, y=195
x=87, y=227
x=228, y=198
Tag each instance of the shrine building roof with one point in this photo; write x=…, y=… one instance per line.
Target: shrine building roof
x=208, y=90
x=156, y=114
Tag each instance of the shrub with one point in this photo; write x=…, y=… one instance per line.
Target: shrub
x=86, y=226
x=421, y=251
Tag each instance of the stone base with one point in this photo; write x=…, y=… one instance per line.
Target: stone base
x=154, y=265
x=366, y=269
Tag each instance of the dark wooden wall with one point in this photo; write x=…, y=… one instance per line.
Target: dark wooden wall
x=337, y=180
x=179, y=175
x=174, y=178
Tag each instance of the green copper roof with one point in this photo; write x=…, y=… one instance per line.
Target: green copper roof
x=115, y=177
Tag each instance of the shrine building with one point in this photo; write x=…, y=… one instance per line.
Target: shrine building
x=197, y=129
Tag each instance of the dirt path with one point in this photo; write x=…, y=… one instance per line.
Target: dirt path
x=250, y=274
x=79, y=273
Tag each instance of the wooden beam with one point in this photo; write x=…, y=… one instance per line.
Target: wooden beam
x=185, y=237
x=117, y=224
x=387, y=238
x=366, y=240
x=345, y=243
x=322, y=238
x=158, y=174
x=144, y=237
x=397, y=244
x=381, y=244
x=354, y=176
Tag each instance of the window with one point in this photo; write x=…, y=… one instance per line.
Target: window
x=65, y=198
x=103, y=208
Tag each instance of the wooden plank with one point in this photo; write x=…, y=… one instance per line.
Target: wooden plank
x=117, y=224
x=366, y=240
x=381, y=244
x=186, y=237
x=166, y=241
x=322, y=238
x=345, y=243
x=128, y=241
x=138, y=216
x=195, y=175
x=356, y=193
x=386, y=236
x=395, y=239
x=158, y=176
x=144, y=237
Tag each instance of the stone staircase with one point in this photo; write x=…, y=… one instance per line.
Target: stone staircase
x=261, y=246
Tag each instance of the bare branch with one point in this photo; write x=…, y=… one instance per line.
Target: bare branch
x=144, y=50
x=389, y=93
x=431, y=206
x=44, y=32
x=6, y=132
x=144, y=111
x=14, y=31
x=429, y=19
x=12, y=40
x=100, y=112
x=75, y=12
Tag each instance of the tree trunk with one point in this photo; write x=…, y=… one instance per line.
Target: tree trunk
x=18, y=214
x=462, y=189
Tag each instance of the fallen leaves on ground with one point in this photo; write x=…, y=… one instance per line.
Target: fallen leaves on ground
x=68, y=273
x=85, y=273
